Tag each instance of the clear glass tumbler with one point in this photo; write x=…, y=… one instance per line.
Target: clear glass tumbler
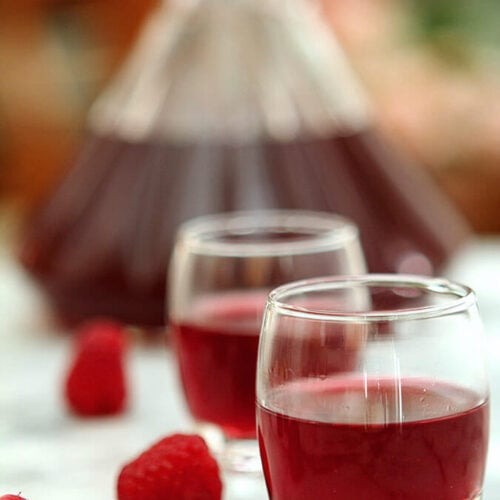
x=222, y=270
x=408, y=416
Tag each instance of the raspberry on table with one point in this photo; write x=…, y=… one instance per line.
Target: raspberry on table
x=178, y=467
x=96, y=384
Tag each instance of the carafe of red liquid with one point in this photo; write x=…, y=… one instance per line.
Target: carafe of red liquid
x=224, y=105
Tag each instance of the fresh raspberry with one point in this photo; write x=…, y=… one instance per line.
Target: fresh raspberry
x=178, y=467
x=12, y=497
x=95, y=384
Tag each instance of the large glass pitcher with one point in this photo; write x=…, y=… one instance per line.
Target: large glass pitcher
x=225, y=105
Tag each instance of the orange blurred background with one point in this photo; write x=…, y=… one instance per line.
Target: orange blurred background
x=436, y=93
x=57, y=55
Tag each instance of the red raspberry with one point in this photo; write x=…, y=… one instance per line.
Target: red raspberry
x=178, y=467
x=95, y=384
x=11, y=497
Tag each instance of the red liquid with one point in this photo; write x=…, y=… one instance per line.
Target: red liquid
x=217, y=356
x=217, y=360
x=101, y=244
x=439, y=455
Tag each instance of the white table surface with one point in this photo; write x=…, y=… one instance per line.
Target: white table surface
x=47, y=454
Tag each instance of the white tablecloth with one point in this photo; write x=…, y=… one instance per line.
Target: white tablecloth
x=49, y=455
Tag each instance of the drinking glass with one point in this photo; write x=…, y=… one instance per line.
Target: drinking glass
x=408, y=416
x=222, y=270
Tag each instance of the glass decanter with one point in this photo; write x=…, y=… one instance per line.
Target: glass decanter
x=225, y=105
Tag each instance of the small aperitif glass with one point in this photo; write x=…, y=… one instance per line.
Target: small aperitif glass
x=408, y=416
x=222, y=270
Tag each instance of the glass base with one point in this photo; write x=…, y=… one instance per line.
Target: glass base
x=233, y=455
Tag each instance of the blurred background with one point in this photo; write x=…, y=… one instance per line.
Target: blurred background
x=56, y=56
x=431, y=68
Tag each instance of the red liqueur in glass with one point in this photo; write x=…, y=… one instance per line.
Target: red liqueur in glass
x=217, y=361
x=338, y=441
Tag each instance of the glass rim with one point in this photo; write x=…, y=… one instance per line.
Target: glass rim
x=464, y=297
x=321, y=231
